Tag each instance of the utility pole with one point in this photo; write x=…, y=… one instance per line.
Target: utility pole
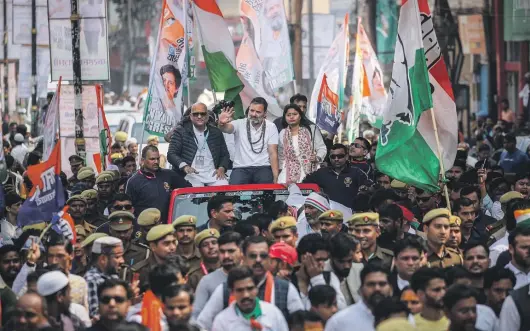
x=80, y=148
x=6, y=66
x=297, y=47
x=311, y=47
x=34, y=107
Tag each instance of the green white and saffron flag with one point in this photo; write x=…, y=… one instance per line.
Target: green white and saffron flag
x=407, y=145
x=219, y=55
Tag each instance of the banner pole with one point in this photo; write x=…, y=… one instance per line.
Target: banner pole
x=439, y=150
x=295, y=87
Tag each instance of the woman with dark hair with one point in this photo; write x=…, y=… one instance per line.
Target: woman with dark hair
x=301, y=147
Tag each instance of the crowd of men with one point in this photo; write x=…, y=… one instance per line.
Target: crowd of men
x=406, y=259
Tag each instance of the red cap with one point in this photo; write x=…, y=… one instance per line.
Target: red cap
x=284, y=252
x=407, y=214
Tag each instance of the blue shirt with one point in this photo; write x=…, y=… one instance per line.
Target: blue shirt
x=514, y=162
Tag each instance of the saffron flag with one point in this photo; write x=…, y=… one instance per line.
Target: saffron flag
x=51, y=123
x=105, y=136
x=328, y=114
x=169, y=71
x=407, y=144
x=46, y=197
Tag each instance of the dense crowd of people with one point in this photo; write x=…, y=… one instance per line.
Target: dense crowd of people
x=366, y=251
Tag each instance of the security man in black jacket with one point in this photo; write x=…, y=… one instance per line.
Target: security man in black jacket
x=151, y=187
x=341, y=182
x=199, y=150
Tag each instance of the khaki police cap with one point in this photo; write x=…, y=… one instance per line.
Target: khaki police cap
x=121, y=136
x=398, y=185
x=86, y=168
x=121, y=220
x=116, y=156
x=159, y=231
x=85, y=173
x=282, y=223
x=507, y=197
x=455, y=221
x=435, y=213
x=332, y=215
x=364, y=219
x=113, y=173
x=90, y=194
x=104, y=178
x=91, y=238
x=149, y=216
x=77, y=197
x=185, y=220
x=80, y=231
x=206, y=234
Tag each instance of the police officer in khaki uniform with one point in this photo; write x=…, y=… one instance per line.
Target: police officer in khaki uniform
x=206, y=242
x=146, y=221
x=455, y=234
x=436, y=226
x=121, y=227
x=76, y=162
x=185, y=230
x=497, y=230
x=400, y=188
x=87, y=176
x=163, y=245
x=331, y=222
x=77, y=209
x=92, y=214
x=365, y=227
x=105, y=184
x=284, y=230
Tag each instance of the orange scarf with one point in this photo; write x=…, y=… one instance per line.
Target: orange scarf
x=151, y=311
x=269, y=283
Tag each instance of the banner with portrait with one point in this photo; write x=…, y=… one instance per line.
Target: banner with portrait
x=169, y=70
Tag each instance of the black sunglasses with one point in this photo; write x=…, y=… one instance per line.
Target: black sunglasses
x=199, y=114
x=424, y=199
x=123, y=207
x=106, y=299
x=337, y=156
x=254, y=256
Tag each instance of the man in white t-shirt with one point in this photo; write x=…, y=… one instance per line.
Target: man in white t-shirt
x=256, y=142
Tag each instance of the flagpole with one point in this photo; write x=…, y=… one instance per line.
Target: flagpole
x=439, y=150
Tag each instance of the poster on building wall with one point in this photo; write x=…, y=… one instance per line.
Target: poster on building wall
x=21, y=17
x=516, y=20
x=471, y=30
x=94, y=50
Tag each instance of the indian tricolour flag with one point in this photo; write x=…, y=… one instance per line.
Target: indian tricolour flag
x=219, y=54
x=408, y=150
x=105, y=137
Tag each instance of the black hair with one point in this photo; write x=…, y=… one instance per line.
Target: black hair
x=298, y=97
x=239, y=273
x=456, y=293
x=461, y=202
x=408, y=243
x=297, y=319
x=381, y=195
x=163, y=275
x=230, y=237
x=115, y=145
x=111, y=283
x=55, y=239
x=381, y=174
x=469, y=189
x=261, y=220
x=339, y=146
x=371, y=268
x=460, y=164
x=388, y=307
x=311, y=243
x=497, y=273
x=322, y=295
x=130, y=326
x=120, y=197
x=341, y=244
x=475, y=243
x=277, y=208
x=174, y=289
x=148, y=148
x=509, y=138
x=260, y=101
x=521, y=175
x=454, y=273
x=519, y=231
x=22, y=129
x=216, y=203
x=392, y=211
x=304, y=121
x=365, y=141
x=361, y=202
x=421, y=278
x=484, y=147
x=170, y=68
x=253, y=240
x=126, y=159
x=245, y=229
x=7, y=249
x=35, y=275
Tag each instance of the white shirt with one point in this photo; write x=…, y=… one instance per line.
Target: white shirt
x=486, y=318
x=244, y=156
x=271, y=319
x=509, y=319
x=81, y=312
x=216, y=304
x=206, y=166
x=357, y=316
x=8, y=230
x=521, y=279
x=498, y=247
x=19, y=153
x=401, y=283
x=333, y=282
